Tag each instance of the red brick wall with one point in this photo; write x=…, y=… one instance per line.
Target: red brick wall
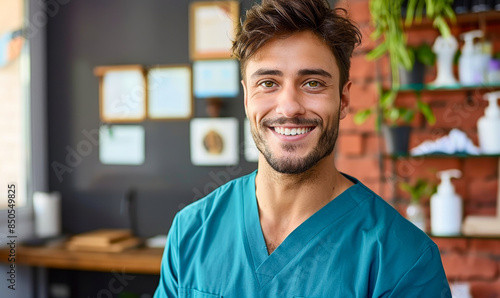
x=472, y=260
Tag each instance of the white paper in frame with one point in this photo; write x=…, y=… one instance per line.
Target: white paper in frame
x=212, y=29
x=169, y=92
x=216, y=78
x=122, y=93
x=114, y=138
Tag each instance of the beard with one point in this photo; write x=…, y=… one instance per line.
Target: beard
x=297, y=165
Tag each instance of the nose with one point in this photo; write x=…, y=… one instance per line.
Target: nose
x=290, y=102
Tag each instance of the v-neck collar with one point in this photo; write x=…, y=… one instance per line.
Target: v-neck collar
x=267, y=266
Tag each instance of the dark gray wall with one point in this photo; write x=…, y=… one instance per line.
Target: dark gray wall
x=82, y=35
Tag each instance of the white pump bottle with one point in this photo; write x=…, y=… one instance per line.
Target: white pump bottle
x=446, y=206
x=468, y=66
x=488, y=126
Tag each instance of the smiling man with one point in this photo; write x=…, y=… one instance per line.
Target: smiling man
x=297, y=227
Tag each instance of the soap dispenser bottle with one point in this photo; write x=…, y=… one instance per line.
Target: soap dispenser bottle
x=446, y=206
x=488, y=126
x=468, y=68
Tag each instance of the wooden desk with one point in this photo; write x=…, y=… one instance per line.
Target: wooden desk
x=138, y=260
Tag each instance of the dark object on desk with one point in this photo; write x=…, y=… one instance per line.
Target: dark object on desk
x=44, y=241
x=129, y=205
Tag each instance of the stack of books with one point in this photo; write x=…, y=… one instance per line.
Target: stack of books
x=105, y=240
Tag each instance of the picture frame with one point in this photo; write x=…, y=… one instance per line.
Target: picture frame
x=214, y=141
x=216, y=78
x=251, y=151
x=112, y=140
x=212, y=27
x=170, y=95
x=122, y=93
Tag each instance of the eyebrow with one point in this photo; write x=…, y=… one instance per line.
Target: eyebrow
x=302, y=72
x=315, y=71
x=266, y=72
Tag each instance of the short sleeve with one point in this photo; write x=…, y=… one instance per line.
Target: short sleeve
x=425, y=279
x=168, y=285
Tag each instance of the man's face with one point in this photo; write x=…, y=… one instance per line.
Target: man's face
x=292, y=101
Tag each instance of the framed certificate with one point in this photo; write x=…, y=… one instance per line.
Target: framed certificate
x=212, y=29
x=170, y=92
x=122, y=93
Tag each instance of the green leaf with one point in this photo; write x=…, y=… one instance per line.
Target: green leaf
x=392, y=115
x=442, y=26
x=378, y=51
x=426, y=110
x=449, y=13
x=419, y=11
x=406, y=61
x=406, y=115
x=387, y=99
x=430, y=8
x=361, y=116
x=410, y=12
x=422, y=188
x=425, y=54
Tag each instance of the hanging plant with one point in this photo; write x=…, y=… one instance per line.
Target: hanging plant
x=389, y=27
x=389, y=30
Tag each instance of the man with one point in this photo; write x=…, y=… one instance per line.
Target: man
x=297, y=227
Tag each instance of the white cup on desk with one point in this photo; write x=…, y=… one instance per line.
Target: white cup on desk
x=47, y=207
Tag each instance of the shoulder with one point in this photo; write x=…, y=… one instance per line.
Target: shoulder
x=397, y=246
x=387, y=224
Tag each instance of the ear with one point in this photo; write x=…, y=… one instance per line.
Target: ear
x=245, y=96
x=345, y=99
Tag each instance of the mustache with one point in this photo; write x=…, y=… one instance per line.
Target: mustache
x=295, y=121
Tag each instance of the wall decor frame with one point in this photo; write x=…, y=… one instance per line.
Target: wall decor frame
x=112, y=140
x=251, y=151
x=216, y=78
x=122, y=93
x=212, y=27
x=170, y=95
x=214, y=141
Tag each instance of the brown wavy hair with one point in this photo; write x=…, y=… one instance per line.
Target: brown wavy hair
x=284, y=17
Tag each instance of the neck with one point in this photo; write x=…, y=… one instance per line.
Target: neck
x=287, y=200
x=315, y=187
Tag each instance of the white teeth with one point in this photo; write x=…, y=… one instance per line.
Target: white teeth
x=291, y=132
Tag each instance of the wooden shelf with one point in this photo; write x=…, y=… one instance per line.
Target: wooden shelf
x=436, y=155
x=456, y=87
x=461, y=236
x=462, y=20
x=475, y=17
x=139, y=260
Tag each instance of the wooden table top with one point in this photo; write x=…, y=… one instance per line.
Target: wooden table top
x=136, y=260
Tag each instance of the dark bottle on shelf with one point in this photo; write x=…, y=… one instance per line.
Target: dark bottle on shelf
x=481, y=5
x=496, y=5
x=461, y=6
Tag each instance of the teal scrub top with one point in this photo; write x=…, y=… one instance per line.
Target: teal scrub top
x=355, y=246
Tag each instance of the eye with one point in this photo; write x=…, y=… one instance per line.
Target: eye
x=268, y=84
x=313, y=84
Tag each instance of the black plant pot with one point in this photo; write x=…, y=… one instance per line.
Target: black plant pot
x=413, y=77
x=397, y=139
